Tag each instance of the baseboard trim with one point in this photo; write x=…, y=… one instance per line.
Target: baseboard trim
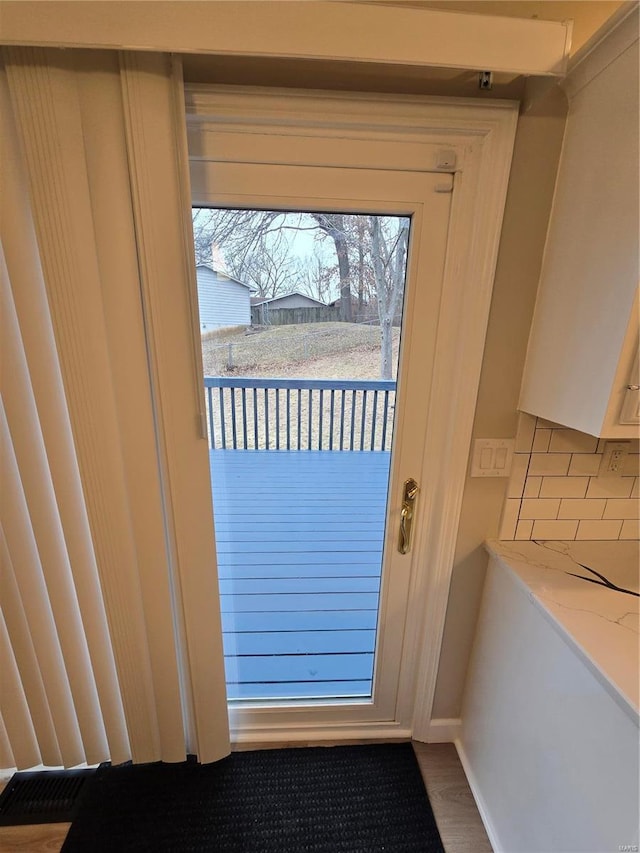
x=442, y=730
x=477, y=796
x=274, y=736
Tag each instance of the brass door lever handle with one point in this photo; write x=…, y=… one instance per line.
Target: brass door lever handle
x=410, y=493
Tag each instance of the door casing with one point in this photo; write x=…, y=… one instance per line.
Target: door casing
x=240, y=126
x=410, y=134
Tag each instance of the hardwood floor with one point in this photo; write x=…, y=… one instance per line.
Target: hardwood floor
x=44, y=838
x=453, y=805
x=454, y=808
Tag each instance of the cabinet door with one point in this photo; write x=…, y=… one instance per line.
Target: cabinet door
x=584, y=329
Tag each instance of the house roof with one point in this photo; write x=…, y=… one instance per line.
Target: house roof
x=225, y=274
x=259, y=301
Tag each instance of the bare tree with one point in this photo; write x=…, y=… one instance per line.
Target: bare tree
x=371, y=252
x=269, y=266
x=361, y=231
x=389, y=243
x=317, y=278
x=255, y=244
x=239, y=231
x=333, y=225
x=362, y=277
x=200, y=217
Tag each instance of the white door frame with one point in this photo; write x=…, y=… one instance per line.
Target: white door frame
x=425, y=198
x=475, y=141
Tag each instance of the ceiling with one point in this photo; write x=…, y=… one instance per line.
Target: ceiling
x=587, y=15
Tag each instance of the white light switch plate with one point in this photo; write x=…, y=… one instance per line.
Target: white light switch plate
x=492, y=457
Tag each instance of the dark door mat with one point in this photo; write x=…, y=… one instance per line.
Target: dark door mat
x=43, y=796
x=346, y=799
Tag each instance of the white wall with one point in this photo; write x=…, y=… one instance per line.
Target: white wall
x=531, y=184
x=551, y=756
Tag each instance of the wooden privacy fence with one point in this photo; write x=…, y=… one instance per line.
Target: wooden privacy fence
x=263, y=315
x=299, y=414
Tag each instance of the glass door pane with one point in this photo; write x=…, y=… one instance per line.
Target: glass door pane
x=300, y=317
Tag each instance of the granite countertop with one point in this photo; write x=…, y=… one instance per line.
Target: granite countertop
x=602, y=624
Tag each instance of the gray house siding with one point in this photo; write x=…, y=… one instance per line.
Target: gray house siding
x=222, y=301
x=293, y=300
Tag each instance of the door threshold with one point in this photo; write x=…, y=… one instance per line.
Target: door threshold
x=272, y=737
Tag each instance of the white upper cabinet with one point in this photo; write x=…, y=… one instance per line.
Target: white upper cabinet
x=581, y=369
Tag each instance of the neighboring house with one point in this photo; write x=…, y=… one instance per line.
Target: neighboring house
x=290, y=308
x=289, y=300
x=222, y=299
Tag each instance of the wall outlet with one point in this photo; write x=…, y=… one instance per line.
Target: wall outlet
x=492, y=457
x=613, y=459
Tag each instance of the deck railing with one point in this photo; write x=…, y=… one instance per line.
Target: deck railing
x=299, y=414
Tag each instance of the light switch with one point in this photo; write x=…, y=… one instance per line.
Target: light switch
x=486, y=457
x=492, y=457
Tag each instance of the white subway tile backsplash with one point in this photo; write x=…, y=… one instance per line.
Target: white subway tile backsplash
x=610, y=487
x=509, y=521
x=524, y=529
x=555, y=492
x=630, y=529
x=571, y=441
x=585, y=464
x=599, y=530
x=622, y=508
x=564, y=487
x=550, y=464
x=541, y=440
x=532, y=487
x=570, y=508
x=631, y=465
x=519, y=465
x=524, y=433
x=535, y=508
x=554, y=529
x=544, y=424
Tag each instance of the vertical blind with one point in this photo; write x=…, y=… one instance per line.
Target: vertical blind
x=61, y=702
x=94, y=664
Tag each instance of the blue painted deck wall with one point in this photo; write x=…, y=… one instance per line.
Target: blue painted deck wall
x=299, y=538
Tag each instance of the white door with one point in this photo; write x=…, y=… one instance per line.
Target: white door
x=426, y=199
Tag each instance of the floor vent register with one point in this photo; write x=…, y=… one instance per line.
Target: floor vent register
x=43, y=796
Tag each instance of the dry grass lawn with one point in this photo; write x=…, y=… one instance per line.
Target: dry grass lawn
x=308, y=350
